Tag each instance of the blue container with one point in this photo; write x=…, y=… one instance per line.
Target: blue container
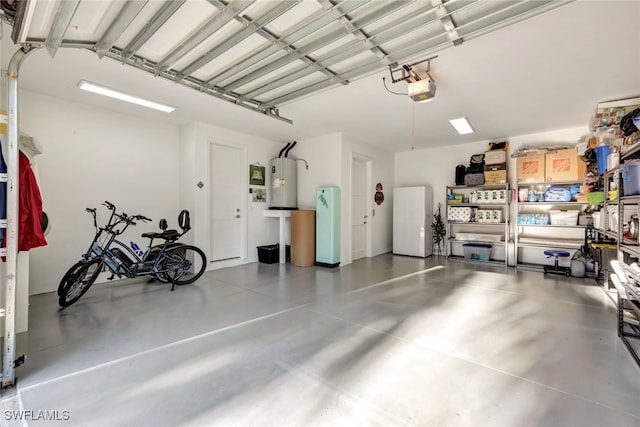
x=601, y=157
x=631, y=178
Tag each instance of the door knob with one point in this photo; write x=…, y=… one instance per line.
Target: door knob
x=237, y=216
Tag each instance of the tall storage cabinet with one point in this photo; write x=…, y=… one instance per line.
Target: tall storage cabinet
x=328, y=226
x=412, y=210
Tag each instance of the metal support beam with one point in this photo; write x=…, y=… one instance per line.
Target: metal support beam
x=64, y=14
x=193, y=83
x=286, y=41
x=165, y=12
x=127, y=14
x=255, y=26
x=447, y=22
x=315, y=45
x=204, y=32
x=358, y=32
x=9, y=349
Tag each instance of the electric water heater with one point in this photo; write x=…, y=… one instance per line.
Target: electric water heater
x=284, y=188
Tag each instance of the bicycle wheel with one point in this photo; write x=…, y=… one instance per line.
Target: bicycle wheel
x=182, y=265
x=77, y=281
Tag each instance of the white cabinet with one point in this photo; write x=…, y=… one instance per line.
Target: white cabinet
x=478, y=215
x=412, y=214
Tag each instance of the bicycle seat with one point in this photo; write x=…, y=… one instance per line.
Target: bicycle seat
x=166, y=235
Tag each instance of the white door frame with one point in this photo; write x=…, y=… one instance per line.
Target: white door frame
x=368, y=200
x=244, y=201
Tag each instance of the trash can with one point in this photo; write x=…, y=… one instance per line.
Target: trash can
x=270, y=254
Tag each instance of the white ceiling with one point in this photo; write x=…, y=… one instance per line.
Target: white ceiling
x=545, y=73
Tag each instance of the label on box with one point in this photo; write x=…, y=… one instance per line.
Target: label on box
x=530, y=167
x=561, y=165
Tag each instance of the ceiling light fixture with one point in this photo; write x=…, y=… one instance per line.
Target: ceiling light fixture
x=461, y=125
x=101, y=90
x=419, y=89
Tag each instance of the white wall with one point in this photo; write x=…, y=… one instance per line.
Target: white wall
x=195, y=141
x=92, y=155
x=379, y=217
x=324, y=155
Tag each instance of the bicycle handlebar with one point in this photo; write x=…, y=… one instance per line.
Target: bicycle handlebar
x=121, y=218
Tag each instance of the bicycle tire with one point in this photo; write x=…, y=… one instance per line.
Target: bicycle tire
x=77, y=281
x=182, y=265
x=73, y=270
x=155, y=251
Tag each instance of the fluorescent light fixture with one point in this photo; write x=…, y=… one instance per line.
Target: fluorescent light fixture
x=101, y=90
x=462, y=125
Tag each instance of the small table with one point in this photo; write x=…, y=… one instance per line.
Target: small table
x=282, y=215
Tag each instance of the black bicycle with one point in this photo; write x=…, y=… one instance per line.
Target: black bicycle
x=169, y=262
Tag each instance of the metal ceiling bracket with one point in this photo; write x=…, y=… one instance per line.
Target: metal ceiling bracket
x=61, y=21
x=447, y=22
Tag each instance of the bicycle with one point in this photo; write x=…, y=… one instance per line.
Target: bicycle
x=169, y=262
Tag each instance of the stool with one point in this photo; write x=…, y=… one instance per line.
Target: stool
x=556, y=269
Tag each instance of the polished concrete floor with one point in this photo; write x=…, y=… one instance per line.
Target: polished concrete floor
x=384, y=341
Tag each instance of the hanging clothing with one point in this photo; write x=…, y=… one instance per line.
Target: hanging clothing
x=30, y=234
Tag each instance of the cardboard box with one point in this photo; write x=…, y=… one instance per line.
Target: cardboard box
x=564, y=165
x=531, y=167
x=495, y=174
x=494, y=157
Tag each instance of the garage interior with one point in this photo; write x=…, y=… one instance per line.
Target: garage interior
x=382, y=339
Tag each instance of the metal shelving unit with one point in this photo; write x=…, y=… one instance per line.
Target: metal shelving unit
x=545, y=236
x=503, y=226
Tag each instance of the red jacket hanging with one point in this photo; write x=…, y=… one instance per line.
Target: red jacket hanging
x=30, y=233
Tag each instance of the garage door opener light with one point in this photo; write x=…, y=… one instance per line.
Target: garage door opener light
x=101, y=90
x=419, y=89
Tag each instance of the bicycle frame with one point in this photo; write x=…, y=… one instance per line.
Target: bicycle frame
x=129, y=264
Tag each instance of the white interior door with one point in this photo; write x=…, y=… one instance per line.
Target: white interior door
x=358, y=209
x=227, y=236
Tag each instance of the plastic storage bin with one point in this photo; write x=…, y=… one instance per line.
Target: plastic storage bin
x=601, y=158
x=630, y=178
x=270, y=254
x=477, y=251
x=559, y=217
